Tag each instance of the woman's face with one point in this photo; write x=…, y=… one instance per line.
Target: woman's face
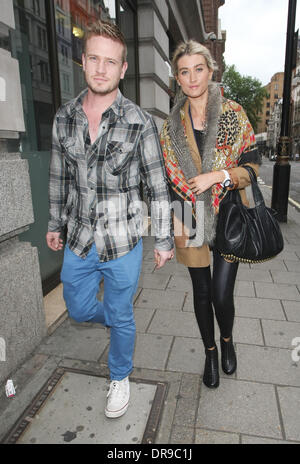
x=193, y=75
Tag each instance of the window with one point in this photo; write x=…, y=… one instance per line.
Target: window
x=61, y=26
x=45, y=76
x=70, y=27
x=36, y=7
x=30, y=48
x=42, y=38
x=60, y=4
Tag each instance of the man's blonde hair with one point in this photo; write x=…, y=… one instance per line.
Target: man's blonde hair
x=105, y=29
x=191, y=47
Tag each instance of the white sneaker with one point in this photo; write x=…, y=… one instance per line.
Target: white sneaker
x=117, y=398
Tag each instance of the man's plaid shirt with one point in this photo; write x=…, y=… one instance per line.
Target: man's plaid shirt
x=95, y=188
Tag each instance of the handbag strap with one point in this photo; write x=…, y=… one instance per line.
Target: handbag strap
x=257, y=195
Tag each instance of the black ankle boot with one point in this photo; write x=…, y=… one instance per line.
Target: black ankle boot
x=228, y=356
x=211, y=369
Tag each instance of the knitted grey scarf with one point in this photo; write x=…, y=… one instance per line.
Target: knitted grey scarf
x=205, y=217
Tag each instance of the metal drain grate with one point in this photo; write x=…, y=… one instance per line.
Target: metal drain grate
x=56, y=405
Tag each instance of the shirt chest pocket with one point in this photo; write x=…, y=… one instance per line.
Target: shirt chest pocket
x=73, y=150
x=118, y=156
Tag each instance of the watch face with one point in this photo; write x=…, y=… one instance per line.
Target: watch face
x=227, y=182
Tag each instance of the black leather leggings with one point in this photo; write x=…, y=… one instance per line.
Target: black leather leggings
x=216, y=291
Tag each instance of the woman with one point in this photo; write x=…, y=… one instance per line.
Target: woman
x=206, y=140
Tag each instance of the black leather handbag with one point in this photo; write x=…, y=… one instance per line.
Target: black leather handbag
x=245, y=234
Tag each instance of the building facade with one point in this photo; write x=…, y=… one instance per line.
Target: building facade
x=296, y=107
x=41, y=45
x=210, y=9
x=273, y=129
x=275, y=93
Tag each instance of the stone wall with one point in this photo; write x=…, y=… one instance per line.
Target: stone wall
x=22, y=320
x=153, y=55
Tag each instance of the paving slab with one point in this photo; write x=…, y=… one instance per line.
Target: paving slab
x=148, y=255
x=142, y=318
x=76, y=341
x=293, y=266
x=272, y=264
x=268, y=365
x=250, y=440
x=286, y=277
x=189, y=303
x=153, y=281
x=292, y=310
x=161, y=299
x=178, y=324
x=277, y=291
x=187, y=401
x=180, y=283
x=181, y=435
x=259, y=308
x=71, y=416
x=243, y=288
x=187, y=355
x=173, y=268
x=209, y=437
x=240, y=407
x=288, y=255
x=254, y=275
x=289, y=399
x=246, y=330
x=28, y=380
x=152, y=351
x=280, y=333
x=148, y=267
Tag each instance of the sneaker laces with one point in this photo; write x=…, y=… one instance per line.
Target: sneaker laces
x=114, y=387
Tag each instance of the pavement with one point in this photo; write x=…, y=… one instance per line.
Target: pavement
x=259, y=404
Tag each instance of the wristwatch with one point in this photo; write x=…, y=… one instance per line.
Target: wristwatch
x=227, y=181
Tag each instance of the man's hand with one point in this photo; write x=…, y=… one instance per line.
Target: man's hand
x=161, y=257
x=54, y=241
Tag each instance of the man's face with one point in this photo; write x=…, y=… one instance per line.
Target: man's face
x=103, y=64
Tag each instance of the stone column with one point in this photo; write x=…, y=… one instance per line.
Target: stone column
x=22, y=320
x=153, y=22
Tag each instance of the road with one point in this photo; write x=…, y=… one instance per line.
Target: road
x=266, y=175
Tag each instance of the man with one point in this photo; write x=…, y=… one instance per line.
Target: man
x=103, y=145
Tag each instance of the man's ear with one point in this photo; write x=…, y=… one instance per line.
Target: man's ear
x=124, y=69
x=83, y=61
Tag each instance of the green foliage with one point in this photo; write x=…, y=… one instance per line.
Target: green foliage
x=245, y=90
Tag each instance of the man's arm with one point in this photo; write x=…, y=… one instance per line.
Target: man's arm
x=59, y=181
x=155, y=180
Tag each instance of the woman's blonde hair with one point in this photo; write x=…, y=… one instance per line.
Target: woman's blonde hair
x=191, y=47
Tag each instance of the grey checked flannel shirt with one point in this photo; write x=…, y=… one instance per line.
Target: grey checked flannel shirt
x=95, y=189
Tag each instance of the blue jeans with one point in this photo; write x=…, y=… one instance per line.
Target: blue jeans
x=81, y=278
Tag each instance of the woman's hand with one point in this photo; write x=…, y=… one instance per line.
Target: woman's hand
x=203, y=182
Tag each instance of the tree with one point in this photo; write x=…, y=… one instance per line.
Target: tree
x=245, y=90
